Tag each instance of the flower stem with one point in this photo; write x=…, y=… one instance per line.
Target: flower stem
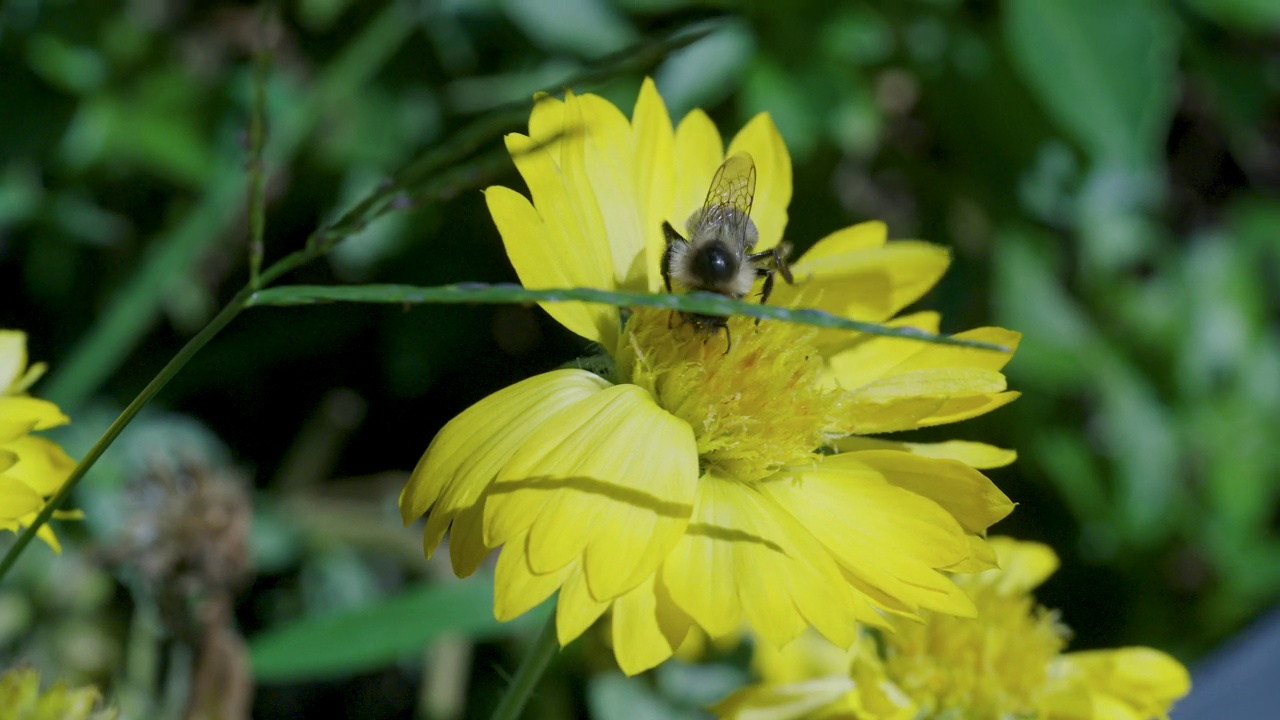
x=219, y=321
x=531, y=668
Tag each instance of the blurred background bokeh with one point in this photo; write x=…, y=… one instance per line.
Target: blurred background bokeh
x=1106, y=173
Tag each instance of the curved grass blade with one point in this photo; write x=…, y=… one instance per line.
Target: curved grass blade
x=702, y=303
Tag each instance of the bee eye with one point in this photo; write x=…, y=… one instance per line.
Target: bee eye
x=714, y=263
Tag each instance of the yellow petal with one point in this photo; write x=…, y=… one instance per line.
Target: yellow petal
x=795, y=701
x=17, y=500
x=891, y=540
x=924, y=398
x=34, y=413
x=576, y=609
x=958, y=409
x=974, y=454
x=610, y=166
x=466, y=537
x=744, y=556
x=852, y=239
x=1144, y=679
x=516, y=588
x=42, y=464
x=855, y=360
x=760, y=138
x=467, y=453
x=45, y=533
x=13, y=358
x=1023, y=567
x=698, y=153
x=611, y=480
x=869, y=285
x=546, y=124
x=564, y=199
x=808, y=656
x=982, y=557
x=940, y=382
x=15, y=376
x=946, y=356
x=965, y=493
x=647, y=627
x=655, y=173
x=546, y=255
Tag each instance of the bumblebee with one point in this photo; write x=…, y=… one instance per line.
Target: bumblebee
x=717, y=256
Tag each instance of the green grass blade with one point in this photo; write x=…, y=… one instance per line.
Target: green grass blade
x=702, y=303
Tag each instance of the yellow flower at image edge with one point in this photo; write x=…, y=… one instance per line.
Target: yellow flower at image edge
x=1007, y=662
x=699, y=484
x=20, y=698
x=32, y=468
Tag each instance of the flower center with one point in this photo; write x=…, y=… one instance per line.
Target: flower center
x=753, y=408
x=995, y=665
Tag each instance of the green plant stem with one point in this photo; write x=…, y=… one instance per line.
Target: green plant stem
x=530, y=672
x=257, y=171
x=219, y=321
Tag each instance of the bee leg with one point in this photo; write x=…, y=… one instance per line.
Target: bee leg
x=728, y=340
x=777, y=257
x=767, y=290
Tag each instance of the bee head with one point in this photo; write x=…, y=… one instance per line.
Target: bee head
x=714, y=263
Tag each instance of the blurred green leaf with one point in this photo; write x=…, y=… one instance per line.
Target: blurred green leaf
x=1114, y=218
x=75, y=69
x=698, y=685
x=1222, y=311
x=859, y=36
x=338, y=579
x=20, y=193
x=475, y=94
x=1260, y=16
x=1144, y=451
x=797, y=113
x=154, y=126
x=612, y=696
x=1058, y=336
x=589, y=28
x=173, y=254
x=1073, y=468
x=382, y=632
x=320, y=14
x=703, y=303
x=708, y=70
x=1106, y=70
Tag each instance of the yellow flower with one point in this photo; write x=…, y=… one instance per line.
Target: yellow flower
x=1007, y=662
x=698, y=484
x=21, y=699
x=32, y=468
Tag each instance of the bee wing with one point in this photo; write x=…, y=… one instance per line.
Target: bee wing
x=731, y=193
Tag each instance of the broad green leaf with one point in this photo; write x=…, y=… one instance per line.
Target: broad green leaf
x=380, y=633
x=1106, y=70
x=699, y=302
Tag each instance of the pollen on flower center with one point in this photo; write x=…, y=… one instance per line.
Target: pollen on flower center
x=995, y=665
x=753, y=408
